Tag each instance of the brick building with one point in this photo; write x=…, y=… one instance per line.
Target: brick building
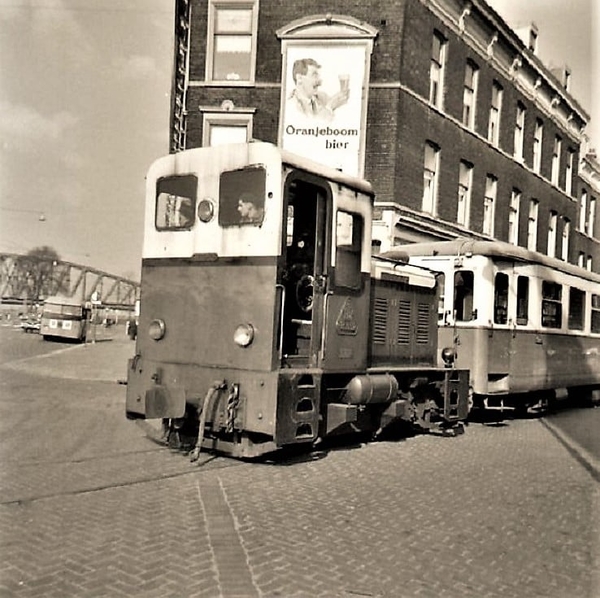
x=445, y=109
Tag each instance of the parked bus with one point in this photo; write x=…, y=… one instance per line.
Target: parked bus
x=66, y=318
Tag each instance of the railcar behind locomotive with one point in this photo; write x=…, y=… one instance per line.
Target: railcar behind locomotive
x=526, y=325
x=265, y=322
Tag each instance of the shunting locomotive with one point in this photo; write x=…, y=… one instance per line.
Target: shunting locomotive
x=265, y=321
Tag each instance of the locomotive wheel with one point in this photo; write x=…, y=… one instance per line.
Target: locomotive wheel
x=304, y=292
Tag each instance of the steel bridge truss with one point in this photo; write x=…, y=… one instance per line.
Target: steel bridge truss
x=32, y=279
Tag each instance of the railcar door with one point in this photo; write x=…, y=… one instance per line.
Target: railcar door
x=301, y=272
x=346, y=302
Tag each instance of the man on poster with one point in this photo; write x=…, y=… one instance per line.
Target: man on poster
x=306, y=100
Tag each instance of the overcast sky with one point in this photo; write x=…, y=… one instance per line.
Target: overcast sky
x=84, y=110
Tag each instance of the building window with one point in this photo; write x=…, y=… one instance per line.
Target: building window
x=470, y=95
x=552, y=220
x=519, y=131
x=465, y=182
x=489, y=204
x=556, y=150
x=219, y=128
x=532, y=224
x=583, y=211
x=495, y=111
x=591, y=217
x=430, y=177
x=513, y=217
x=588, y=264
x=566, y=233
x=581, y=259
x=232, y=33
x=569, y=172
x=537, y=145
x=436, y=73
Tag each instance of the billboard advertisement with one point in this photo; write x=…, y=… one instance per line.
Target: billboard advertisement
x=323, y=102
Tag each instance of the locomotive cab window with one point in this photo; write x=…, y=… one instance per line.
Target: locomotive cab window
x=242, y=197
x=463, y=296
x=551, y=304
x=176, y=202
x=348, y=242
x=576, y=308
x=501, y=298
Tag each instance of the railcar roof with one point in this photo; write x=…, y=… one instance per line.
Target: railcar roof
x=495, y=249
x=256, y=148
x=326, y=172
x=62, y=300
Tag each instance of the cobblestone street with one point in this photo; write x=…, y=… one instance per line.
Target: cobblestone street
x=501, y=511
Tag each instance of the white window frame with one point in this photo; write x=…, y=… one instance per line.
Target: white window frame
x=556, y=151
x=532, y=224
x=583, y=211
x=437, y=71
x=465, y=185
x=489, y=204
x=566, y=238
x=214, y=119
x=213, y=8
x=591, y=217
x=552, y=223
x=470, y=94
x=495, y=113
x=569, y=172
x=519, y=131
x=538, y=137
x=431, y=168
x=513, y=216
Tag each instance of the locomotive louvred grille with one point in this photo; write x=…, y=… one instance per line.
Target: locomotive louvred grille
x=423, y=323
x=380, y=318
x=403, y=337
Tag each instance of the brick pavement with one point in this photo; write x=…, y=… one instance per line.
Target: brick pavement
x=501, y=511
x=495, y=512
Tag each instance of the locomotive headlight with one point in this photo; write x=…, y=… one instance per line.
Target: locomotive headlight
x=206, y=210
x=157, y=329
x=448, y=356
x=244, y=335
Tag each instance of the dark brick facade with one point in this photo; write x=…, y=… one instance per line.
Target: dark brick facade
x=400, y=119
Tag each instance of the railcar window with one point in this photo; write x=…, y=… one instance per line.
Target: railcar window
x=176, y=202
x=441, y=285
x=595, y=327
x=242, y=197
x=348, y=244
x=576, y=308
x=551, y=304
x=501, y=298
x=463, y=296
x=522, y=300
